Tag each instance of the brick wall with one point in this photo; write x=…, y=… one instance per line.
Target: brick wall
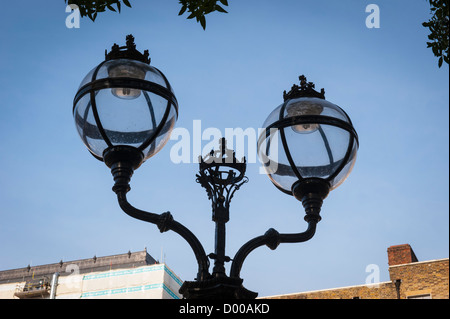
x=429, y=277
x=409, y=278
x=385, y=290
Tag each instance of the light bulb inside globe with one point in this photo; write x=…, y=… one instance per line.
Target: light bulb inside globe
x=127, y=71
x=126, y=93
x=304, y=108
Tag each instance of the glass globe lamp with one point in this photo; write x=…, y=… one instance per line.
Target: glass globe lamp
x=308, y=145
x=125, y=104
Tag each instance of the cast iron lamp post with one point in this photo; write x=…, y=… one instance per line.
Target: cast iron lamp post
x=124, y=112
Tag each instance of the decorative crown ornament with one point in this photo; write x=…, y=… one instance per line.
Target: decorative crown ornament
x=306, y=89
x=127, y=52
x=221, y=174
x=212, y=164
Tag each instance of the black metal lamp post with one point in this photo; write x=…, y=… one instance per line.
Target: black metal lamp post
x=125, y=110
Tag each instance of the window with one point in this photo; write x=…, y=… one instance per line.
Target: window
x=424, y=296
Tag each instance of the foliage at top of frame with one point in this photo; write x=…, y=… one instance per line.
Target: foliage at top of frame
x=439, y=28
x=198, y=9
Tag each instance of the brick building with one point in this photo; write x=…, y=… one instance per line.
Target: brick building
x=409, y=279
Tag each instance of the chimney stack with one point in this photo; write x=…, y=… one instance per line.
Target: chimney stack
x=401, y=254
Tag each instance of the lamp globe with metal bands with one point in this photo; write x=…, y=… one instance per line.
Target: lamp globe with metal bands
x=308, y=145
x=125, y=105
x=124, y=112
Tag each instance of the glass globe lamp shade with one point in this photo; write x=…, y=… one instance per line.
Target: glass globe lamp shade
x=125, y=102
x=307, y=137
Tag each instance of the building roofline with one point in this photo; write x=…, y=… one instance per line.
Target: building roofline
x=374, y=285
x=419, y=262
x=95, y=263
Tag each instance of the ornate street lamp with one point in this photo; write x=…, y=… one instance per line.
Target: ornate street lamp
x=125, y=110
x=319, y=145
x=124, y=105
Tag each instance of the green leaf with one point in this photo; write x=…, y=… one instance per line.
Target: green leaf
x=110, y=7
x=90, y=16
x=440, y=61
x=203, y=22
x=220, y=9
x=127, y=3
x=182, y=11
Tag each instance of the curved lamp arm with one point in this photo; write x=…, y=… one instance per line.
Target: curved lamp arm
x=271, y=239
x=311, y=192
x=123, y=160
x=165, y=222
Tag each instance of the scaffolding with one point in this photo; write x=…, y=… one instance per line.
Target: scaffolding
x=35, y=288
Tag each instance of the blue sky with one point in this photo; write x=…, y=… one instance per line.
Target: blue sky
x=56, y=198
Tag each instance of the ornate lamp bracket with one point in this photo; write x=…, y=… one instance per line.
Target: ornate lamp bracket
x=221, y=174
